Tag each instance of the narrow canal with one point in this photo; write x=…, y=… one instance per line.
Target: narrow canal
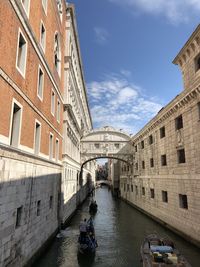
x=120, y=230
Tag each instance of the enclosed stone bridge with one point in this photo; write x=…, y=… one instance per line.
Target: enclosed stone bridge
x=106, y=142
x=106, y=182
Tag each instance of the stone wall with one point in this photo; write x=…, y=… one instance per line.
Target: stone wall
x=34, y=186
x=180, y=181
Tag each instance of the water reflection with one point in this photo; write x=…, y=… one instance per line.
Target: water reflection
x=120, y=230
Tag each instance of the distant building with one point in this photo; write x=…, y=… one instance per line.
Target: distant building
x=102, y=172
x=114, y=175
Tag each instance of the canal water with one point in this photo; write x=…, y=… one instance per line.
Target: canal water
x=120, y=230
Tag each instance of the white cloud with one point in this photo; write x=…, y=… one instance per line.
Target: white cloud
x=101, y=35
x=119, y=103
x=176, y=11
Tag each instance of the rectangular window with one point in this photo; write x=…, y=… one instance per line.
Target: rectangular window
x=37, y=138
x=162, y=132
x=183, y=203
x=127, y=187
x=143, y=191
x=44, y=4
x=15, y=125
x=52, y=102
x=42, y=36
x=198, y=106
x=51, y=146
x=151, y=162
x=38, y=207
x=150, y=139
x=163, y=160
x=179, y=122
x=58, y=111
x=197, y=62
x=51, y=202
x=117, y=146
x=26, y=6
x=143, y=164
x=135, y=148
x=57, y=150
x=181, y=155
x=142, y=144
x=21, y=54
x=40, y=83
x=96, y=145
x=136, y=166
x=164, y=196
x=19, y=217
x=136, y=190
x=124, y=187
x=152, y=193
x=131, y=188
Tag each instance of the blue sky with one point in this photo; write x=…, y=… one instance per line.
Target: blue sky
x=127, y=49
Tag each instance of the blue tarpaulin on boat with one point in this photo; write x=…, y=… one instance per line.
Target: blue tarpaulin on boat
x=161, y=249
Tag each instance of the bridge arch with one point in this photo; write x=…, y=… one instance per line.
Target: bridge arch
x=108, y=157
x=99, y=157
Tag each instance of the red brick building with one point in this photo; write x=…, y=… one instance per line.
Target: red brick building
x=32, y=44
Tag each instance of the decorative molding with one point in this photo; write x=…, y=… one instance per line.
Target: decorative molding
x=19, y=155
x=170, y=110
x=68, y=108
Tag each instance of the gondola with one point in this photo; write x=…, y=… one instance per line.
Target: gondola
x=87, y=242
x=157, y=251
x=93, y=208
x=87, y=245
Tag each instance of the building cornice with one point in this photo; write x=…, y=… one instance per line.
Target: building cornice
x=19, y=155
x=177, y=103
x=71, y=9
x=71, y=71
x=188, y=48
x=68, y=107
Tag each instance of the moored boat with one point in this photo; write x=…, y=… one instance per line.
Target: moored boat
x=158, y=251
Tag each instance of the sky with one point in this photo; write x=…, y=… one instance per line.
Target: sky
x=127, y=49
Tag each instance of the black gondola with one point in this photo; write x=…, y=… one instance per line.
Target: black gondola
x=87, y=242
x=93, y=207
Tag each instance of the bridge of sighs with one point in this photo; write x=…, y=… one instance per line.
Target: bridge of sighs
x=106, y=142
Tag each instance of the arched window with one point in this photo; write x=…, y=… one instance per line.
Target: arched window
x=57, y=54
x=59, y=5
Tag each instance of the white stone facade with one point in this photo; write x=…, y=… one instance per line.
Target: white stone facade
x=77, y=122
x=166, y=174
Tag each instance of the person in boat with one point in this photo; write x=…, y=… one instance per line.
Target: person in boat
x=92, y=205
x=83, y=229
x=91, y=234
x=90, y=226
